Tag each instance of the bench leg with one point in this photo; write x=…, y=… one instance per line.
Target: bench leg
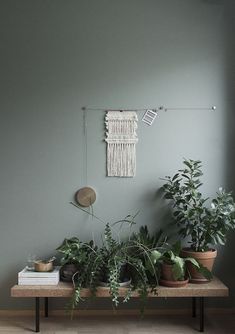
x=46, y=307
x=37, y=314
x=201, y=314
x=194, y=307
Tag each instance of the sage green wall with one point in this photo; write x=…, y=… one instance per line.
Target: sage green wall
x=57, y=56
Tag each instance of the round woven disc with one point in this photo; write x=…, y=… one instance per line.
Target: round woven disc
x=86, y=196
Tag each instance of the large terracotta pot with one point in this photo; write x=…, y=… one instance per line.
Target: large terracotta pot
x=204, y=258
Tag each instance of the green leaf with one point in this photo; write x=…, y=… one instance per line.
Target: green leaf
x=219, y=240
x=176, y=248
x=155, y=256
x=193, y=261
x=205, y=272
x=178, y=268
x=186, y=176
x=175, y=177
x=188, y=164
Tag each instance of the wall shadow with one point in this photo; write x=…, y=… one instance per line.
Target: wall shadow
x=226, y=267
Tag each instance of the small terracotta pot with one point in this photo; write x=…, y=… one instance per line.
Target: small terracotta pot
x=204, y=258
x=168, y=277
x=174, y=284
x=167, y=273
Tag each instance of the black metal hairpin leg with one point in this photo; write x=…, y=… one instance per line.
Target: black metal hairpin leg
x=46, y=307
x=194, y=307
x=37, y=314
x=201, y=300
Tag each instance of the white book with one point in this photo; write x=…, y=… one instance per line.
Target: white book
x=38, y=279
x=36, y=274
x=38, y=282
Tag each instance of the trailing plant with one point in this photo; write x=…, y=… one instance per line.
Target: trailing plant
x=114, y=262
x=74, y=251
x=204, y=224
x=83, y=255
x=119, y=263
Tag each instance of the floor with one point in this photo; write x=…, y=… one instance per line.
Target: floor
x=160, y=324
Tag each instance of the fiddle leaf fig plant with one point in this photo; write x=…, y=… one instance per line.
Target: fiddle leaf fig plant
x=205, y=224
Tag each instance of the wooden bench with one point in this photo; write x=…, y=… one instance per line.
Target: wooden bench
x=215, y=288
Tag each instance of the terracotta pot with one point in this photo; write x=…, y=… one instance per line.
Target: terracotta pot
x=168, y=277
x=167, y=273
x=204, y=258
x=174, y=284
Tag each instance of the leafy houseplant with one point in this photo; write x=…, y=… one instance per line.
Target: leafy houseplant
x=143, y=237
x=154, y=244
x=205, y=225
x=74, y=256
x=106, y=263
x=173, y=266
x=130, y=254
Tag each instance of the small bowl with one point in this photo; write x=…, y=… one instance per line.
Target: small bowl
x=43, y=266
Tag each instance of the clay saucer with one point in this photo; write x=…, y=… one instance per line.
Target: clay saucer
x=174, y=284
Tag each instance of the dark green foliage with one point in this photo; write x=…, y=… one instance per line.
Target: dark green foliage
x=75, y=251
x=143, y=246
x=114, y=262
x=206, y=225
x=143, y=237
x=170, y=254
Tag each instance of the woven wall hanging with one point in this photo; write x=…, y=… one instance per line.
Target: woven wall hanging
x=121, y=140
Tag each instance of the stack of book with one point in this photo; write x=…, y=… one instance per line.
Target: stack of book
x=28, y=277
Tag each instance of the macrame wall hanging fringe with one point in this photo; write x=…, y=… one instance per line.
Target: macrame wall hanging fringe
x=121, y=140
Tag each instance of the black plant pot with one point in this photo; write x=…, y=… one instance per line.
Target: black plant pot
x=67, y=271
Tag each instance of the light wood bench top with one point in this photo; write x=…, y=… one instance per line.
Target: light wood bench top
x=215, y=288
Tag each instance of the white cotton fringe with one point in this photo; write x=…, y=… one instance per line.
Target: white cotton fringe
x=121, y=139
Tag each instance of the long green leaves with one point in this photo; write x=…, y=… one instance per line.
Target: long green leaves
x=134, y=259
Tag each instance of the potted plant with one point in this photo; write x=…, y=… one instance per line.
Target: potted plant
x=114, y=263
x=74, y=255
x=131, y=259
x=173, y=266
x=154, y=243
x=107, y=266
x=204, y=224
x=143, y=237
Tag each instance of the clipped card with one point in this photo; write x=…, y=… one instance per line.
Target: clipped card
x=149, y=116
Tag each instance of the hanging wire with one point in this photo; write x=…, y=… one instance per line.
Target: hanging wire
x=150, y=114
x=85, y=145
x=161, y=108
x=85, y=173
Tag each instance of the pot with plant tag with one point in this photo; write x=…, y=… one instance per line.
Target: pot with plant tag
x=204, y=225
